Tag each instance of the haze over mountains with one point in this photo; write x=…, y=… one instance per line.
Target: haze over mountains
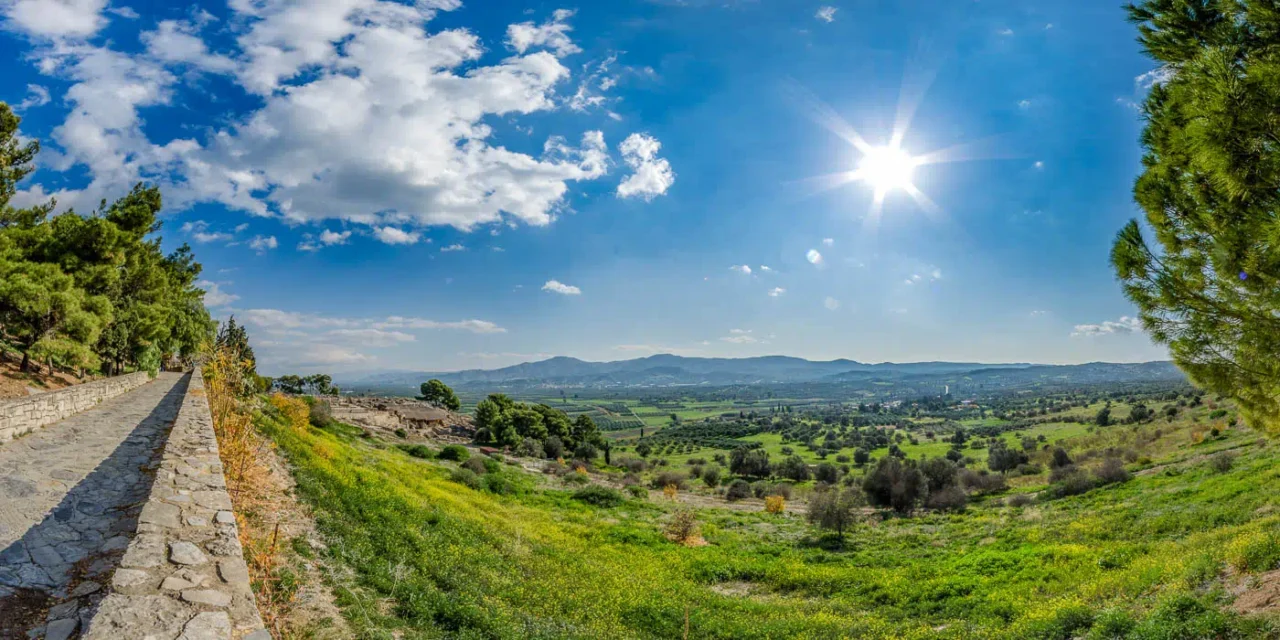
x=672, y=370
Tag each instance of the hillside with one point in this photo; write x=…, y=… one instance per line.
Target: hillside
x=672, y=370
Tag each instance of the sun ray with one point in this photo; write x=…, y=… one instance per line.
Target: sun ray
x=824, y=115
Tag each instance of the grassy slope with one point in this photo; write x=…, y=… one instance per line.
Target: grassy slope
x=436, y=559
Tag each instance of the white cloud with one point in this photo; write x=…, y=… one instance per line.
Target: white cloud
x=1159, y=75
x=200, y=233
x=214, y=296
x=1124, y=325
x=241, y=227
x=1036, y=313
x=473, y=326
x=936, y=274
x=766, y=268
x=826, y=14
x=1039, y=164
x=321, y=354
x=1024, y=104
x=741, y=268
x=831, y=303
x=651, y=176
x=330, y=238
x=57, y=18
x=776, y=291
x=452, y=247
x=365, y=115
x=1006, y=32
x=828, y=242
x=262, y=244
x=813, y=256
x=740, y=336
x=394, y=235
x=37, y=96
x=552, y=34
x=372, y=337
x=555, y=286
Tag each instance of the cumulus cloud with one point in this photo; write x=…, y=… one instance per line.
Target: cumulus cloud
x=651, y=176
x=37, y=96
x=740, y=336
x=200, y=233
x=214, y=296
x=452, y=248
x=766, y=269
x=372, y=337
x=826, y=14
x=262, y=244
x=741, y=268
x=472, y=326
x=326, y=238
x=394, y=235
x=552, y=34
x=555, y=286
x=1124, y=325
x=828, y=242
x=366, y=115
x=776, y=291
x=831, y=303
x=813, y=256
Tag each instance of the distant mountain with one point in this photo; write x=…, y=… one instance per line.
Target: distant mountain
x=670, y=370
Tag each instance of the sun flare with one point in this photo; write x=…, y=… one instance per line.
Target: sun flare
x=887, y=168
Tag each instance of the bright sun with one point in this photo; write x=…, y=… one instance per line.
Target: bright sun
x=887, y=168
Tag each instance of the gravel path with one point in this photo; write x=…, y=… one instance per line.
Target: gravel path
x=70, y=494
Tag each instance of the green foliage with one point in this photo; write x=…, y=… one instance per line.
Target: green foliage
x=599, y=496
x=455, y=452
x=421, y=451
x=1254, y=552
x=1208, y=190
x=440, y=395
x=896, y=484
x=835, y=509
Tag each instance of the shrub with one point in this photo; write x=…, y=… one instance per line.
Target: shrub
x=576, y=478
x=696, y=461
x=599, y=496
x=466, y=477
x=586, y=451
x=827, y=472
x=475, y=465
x=1254, y=551
x=530, y=448
x=491, y=465
x=401, y=433
x=634, y=465
x=1111, y=471
x=498, y=483
x=553, y=447
x=454, y=452
x=671, y=491
x=1018, y=500
x=683, y=527
x=695, y=472
x=637, y=491
x=1223, y=462
x=1072, y=483
x=321, y=413
x=940, y=473
x=834, y=509
x=794, y=468
x=981, y=482
x=775, y=504
x=738, y=490
x=711, y=477
x=782, y=489
x=952, y=498
x=661, y=480
x=1059, y=458
x=418, y=451
x=896, y=484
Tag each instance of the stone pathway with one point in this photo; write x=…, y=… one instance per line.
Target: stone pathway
x=70, y=494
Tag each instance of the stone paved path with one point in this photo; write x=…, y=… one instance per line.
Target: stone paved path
x=70, y=493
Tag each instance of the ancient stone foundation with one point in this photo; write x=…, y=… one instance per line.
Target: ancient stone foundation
x=23, y=415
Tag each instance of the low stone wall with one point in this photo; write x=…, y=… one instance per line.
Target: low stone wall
x=183, y=575
x=24, y=415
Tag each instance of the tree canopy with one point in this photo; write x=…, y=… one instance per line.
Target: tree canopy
x=1209, y=193
x=92, y=291
x=440, y=395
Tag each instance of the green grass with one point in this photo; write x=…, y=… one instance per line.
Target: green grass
x=434, y=559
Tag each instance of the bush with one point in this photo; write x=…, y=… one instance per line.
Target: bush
x=665, y=478
x=738, y=490
x=1222, y=462
x=586, y=451
x=683, y=527
x=634, y=465
x=1072, y=483
x=466, y=477
x=981, y=482
x=498, y=483
x=454, y=452
x=401, y=433
x=952, y=498
x=475, y=465
x=711, y=477
x=827, y=472
x=321, y=413
x=896, y=484
x=695, y=472
x=1111, y=471
x=782, y=489
x=599, y=496
x=1254, y=552
x=775, y=504
x=530, y=448
x=553, y=447
x=637, y=491
x=418, y=451
x=794, y=468
x=576, y=478
x=491, y=465
x=1060, y=458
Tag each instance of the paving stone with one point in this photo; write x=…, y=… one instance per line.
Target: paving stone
x=197, y=521
x=233, y=571
x=207, y=596
x=115, y=543
x=210, y=625
x=183, y=552
x=225, y=517
x=125, y=578
x=146, y=551
x=64, y=610
x=159, y=513
x=85, y=588
x=60, y=629
x=46, y=556
x=212, y=499
x=175, y=583
x=260, y=634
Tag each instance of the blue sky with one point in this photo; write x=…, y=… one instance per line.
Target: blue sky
x=376, y=185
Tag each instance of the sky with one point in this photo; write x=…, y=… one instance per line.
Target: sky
x=444, y=185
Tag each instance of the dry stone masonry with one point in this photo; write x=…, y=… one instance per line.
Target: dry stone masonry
x=24, y=415
x=183, y=576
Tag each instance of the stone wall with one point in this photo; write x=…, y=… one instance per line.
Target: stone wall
x=23, y=415
x=183, y=575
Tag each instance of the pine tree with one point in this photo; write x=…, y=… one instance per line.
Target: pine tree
x=1209, y=189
